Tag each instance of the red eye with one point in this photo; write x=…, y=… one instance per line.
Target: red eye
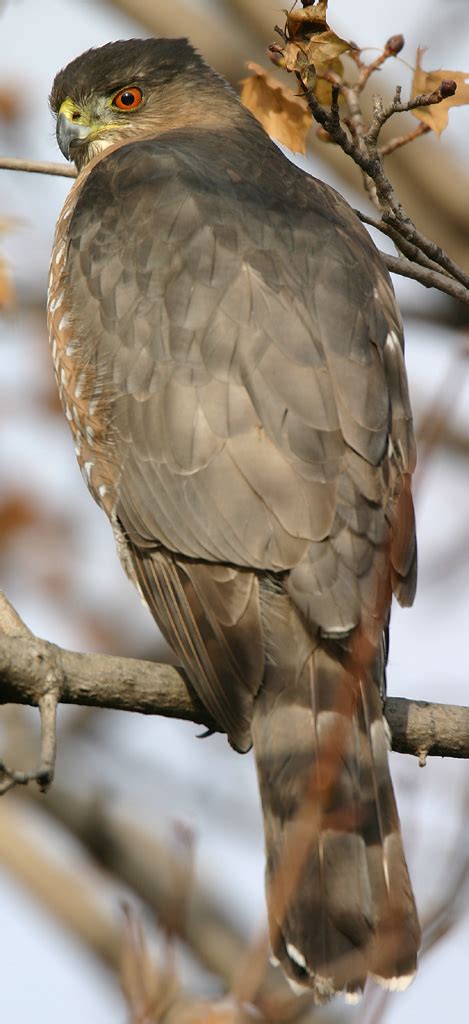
x=128, y=99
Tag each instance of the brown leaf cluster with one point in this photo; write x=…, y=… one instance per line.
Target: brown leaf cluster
x=436, y=116
x=309, y=36
x=283, y=115
x=307, y=42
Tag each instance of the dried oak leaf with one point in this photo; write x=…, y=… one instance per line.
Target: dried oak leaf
x=303, y=20
x=314, y=16
x=283, y=115
x=309, y=34
x=436, y=116
x=322, y=49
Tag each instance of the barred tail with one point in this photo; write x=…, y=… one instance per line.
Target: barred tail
x=339, y=895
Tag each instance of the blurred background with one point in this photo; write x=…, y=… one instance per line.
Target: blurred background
x=148, y=827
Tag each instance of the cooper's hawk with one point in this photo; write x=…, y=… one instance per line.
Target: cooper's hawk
x=230, y=358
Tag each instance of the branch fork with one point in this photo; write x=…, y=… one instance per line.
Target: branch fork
x=419, y=259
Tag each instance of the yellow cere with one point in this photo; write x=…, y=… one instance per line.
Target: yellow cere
x=73, y=112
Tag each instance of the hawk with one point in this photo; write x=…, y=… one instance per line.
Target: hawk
x=229, y=356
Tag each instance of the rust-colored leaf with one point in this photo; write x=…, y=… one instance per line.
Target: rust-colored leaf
x=322, y=50
x=436, y=115
x=10, y=105
x=326, y=47
x=283, y=115
x=16, y=512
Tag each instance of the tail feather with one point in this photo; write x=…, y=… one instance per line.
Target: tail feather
x=339, y=896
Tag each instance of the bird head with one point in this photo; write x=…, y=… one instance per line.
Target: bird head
x=130, y=88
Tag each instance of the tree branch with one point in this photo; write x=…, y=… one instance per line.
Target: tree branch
x=410, y=251
x=125, y=684
x=381, y=114
x=402, y=140
x=360, y=143
x=429, y=278
x=13, y=163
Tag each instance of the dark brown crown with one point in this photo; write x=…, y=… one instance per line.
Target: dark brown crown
x=150, y=62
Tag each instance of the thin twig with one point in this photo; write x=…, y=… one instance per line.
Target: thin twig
x=363, y=149
x=429, y=278
x=402, y=140
x=411, y=252
x=393, y=46
x=402, y=224
x=362, y=146
x=381, y=114
x=13, y=163
x=48, y=712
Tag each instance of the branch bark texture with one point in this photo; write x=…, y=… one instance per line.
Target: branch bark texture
x=126, y=684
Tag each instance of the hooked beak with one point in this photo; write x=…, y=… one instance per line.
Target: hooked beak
x=70, y=134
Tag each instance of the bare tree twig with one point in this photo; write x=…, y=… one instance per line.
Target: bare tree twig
x=418, y=727
x=401, y=140
x=127, y=684
x=13, y=163
x=403, y=224
x=411, y=252
x=382, y=113
x=360, y=143
x=429, y=278
x=393, y=46
x=44, y=773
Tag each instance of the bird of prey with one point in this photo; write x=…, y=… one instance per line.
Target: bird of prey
x=229, y=356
